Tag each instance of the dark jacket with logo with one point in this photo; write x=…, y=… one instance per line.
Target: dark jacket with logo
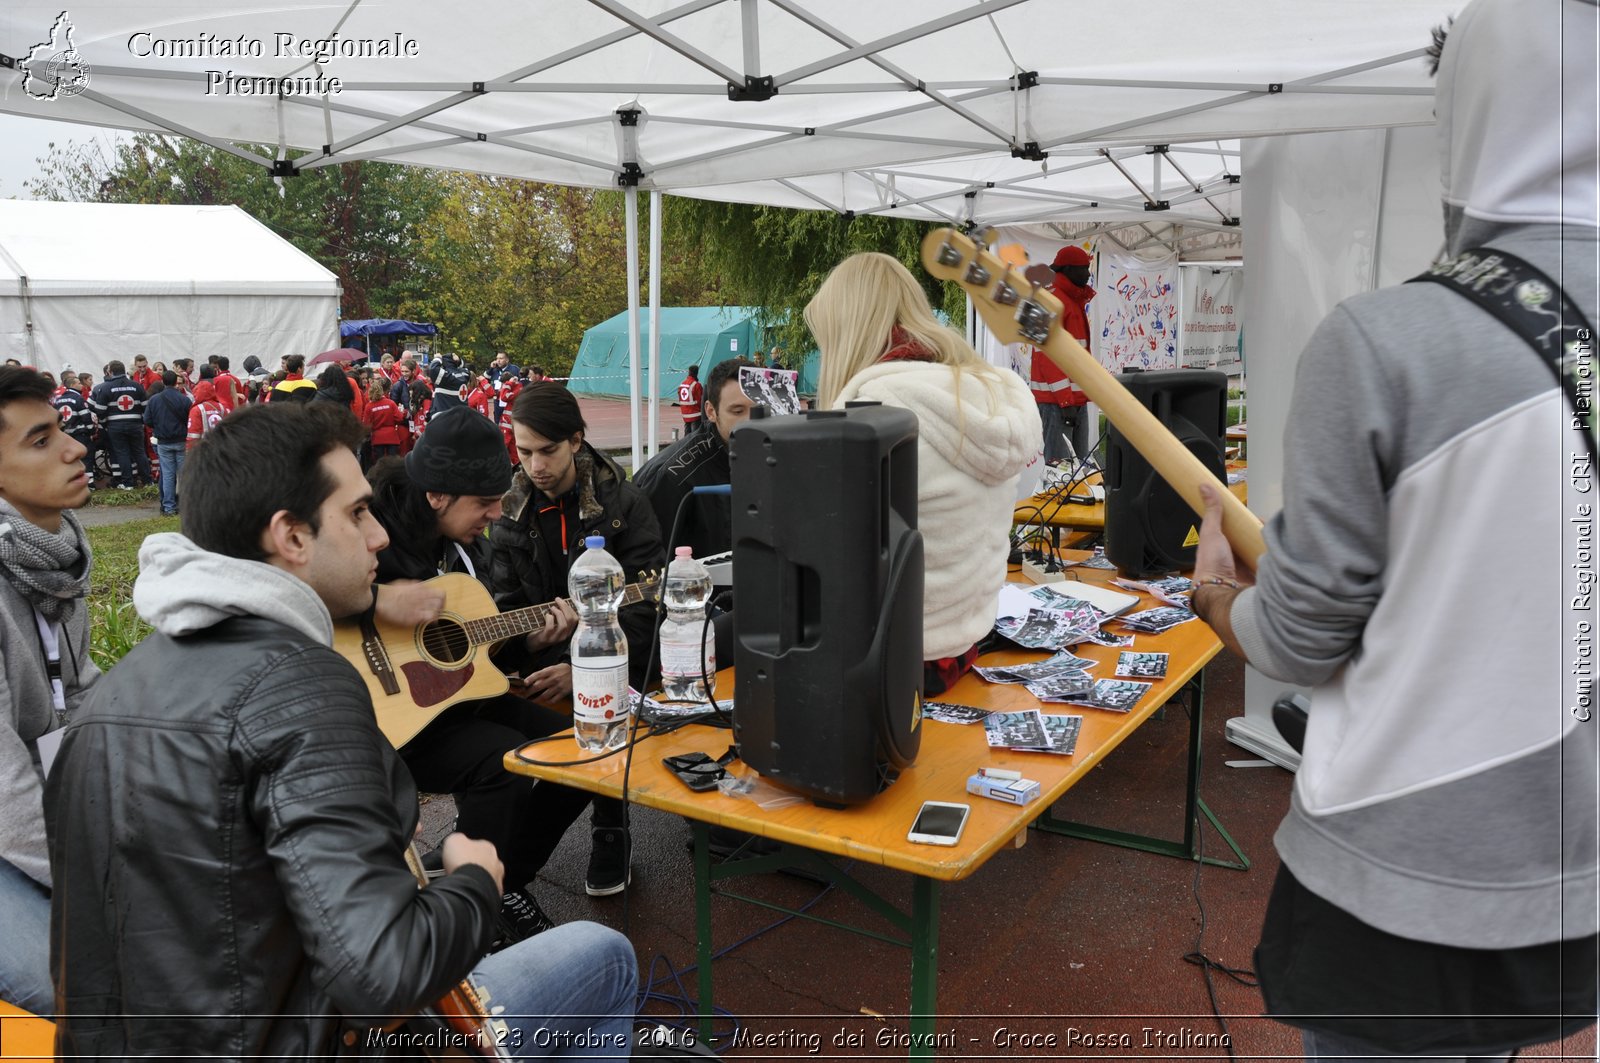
x=77, y=420
x=521, y=570
x=699, y=459
x=118, y=402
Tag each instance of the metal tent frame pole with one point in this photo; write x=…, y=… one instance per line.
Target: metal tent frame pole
x=655, y=322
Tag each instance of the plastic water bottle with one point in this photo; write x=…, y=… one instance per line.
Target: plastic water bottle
x=687, y=654
x=600, y=707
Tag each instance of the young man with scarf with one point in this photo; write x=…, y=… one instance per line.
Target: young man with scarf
x=563, y=491
x=44, y=645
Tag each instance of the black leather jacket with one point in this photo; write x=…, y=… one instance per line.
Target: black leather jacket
x=227, y=834
x=521, y=574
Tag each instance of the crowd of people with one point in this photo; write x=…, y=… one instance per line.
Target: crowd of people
x=219, y=868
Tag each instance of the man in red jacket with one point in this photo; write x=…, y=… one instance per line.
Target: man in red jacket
x=1062, y=407
x=691, y=399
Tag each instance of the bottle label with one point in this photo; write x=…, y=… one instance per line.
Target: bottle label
x=687, y=658
x=600, y=689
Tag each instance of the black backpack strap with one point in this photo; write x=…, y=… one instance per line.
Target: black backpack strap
x=1526, y=301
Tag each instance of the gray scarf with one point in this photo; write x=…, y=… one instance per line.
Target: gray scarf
x=49, y=569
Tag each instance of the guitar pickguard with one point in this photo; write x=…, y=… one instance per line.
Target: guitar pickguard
x=430, y=685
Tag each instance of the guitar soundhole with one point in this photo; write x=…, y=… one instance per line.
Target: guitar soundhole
x=446, y=642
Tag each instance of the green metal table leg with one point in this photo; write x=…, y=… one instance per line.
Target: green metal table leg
x=1193, y=807
x=702, y=923
x=924, y=965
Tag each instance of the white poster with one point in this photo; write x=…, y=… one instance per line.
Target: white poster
x=1135, y=313
x=1212, y=310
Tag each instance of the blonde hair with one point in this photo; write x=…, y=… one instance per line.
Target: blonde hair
x=854, y=312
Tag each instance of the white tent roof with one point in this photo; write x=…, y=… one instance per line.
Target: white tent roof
x=868, y=96
x=117, y=249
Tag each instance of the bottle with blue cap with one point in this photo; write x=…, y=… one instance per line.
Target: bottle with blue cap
x=600, y=706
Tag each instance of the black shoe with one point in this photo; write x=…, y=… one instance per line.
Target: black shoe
x=609, y=870
x=520, y=919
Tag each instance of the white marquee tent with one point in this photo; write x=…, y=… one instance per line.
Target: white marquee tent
x=994, y=111
x=83, y=283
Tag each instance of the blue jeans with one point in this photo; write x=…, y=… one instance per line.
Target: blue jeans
x=171, y=456
x=1332, y=1048
x=566, y=992
x=25, y=942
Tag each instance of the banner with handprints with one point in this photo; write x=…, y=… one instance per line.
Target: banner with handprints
x=1137, y=323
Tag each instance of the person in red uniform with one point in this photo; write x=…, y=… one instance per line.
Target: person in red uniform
x=386, y=423
x=691, y=400
x=207, y=410
x=1063, y=409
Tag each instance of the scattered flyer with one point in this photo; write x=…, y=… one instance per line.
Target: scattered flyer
x=1142, y=665
x=948, y=712
x=1097, y=561
x=1005, y=729
x=1107, y=637
x=1063, y=732
x=1049, y=629
x=1174, y=590
x=1063, y=663
x=1157, y=620
x=1118, y=695
x=1068, y=687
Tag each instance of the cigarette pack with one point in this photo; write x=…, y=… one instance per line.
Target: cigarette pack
x=1011, y=791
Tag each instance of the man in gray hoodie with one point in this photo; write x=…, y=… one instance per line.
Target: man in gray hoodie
x=1438, y=887
x=44, y=647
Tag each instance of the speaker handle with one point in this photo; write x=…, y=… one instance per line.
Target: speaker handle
x=910, y=549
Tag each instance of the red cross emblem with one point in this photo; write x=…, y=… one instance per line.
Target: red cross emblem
x=124, y=403
x=66, y=413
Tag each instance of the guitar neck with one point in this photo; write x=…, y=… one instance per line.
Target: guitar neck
x=516, y=622
x=1004, y=300
x=1172, y=461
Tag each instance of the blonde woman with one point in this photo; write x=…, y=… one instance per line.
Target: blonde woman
x=977, y=428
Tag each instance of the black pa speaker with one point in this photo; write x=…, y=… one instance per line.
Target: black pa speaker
x=1149, y=529
x=827, y=574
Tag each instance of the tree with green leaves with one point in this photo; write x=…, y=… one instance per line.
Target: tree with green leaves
x=776, y=257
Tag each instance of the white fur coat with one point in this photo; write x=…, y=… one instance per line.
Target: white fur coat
x=971, y=444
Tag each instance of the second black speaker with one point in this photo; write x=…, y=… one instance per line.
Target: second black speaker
x=1150, y=529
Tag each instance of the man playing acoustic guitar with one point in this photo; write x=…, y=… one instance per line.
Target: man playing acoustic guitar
x=435, y=504
x=229, y=844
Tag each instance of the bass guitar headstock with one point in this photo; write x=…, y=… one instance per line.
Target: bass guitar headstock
x=1016, y=309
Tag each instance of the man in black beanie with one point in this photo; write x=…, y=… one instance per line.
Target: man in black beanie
x=436, y=503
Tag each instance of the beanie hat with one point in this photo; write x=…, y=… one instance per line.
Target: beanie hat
x=460, y=453
x=1071, y=255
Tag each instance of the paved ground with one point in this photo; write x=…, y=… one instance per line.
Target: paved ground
x=92, y=516
x=1060, y=937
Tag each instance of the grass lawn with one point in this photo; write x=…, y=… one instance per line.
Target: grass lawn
x=114, y=628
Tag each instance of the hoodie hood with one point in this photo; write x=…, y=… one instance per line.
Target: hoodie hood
x=988, y=427
x=183, y=589
x=1515, y=91
x=205, y=391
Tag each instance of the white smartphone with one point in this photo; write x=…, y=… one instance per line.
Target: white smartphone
x=939, y=823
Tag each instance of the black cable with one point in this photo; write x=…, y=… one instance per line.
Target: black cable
x=1242, y=975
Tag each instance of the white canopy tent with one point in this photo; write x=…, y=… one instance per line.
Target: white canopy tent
x=821, y=103
x=83, y=283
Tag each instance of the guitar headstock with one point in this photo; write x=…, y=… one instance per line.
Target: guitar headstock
x=1016, y=309
x=647, y=588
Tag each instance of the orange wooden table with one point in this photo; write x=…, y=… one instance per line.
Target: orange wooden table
x=875, y=831
x=24, y=1035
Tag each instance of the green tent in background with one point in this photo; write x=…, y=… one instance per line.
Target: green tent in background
x=690, y=335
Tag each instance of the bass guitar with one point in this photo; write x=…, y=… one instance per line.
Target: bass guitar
x=1020, y=311
x=414, y=673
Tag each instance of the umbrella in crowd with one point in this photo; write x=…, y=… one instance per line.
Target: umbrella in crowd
x=343, y=354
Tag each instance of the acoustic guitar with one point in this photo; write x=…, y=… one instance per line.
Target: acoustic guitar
x=415, y=673
x=1018, y=310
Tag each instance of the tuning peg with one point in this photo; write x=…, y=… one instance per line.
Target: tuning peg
x=977, y=276
x=1004, y=293
x=949, y=254
x=1033, y=320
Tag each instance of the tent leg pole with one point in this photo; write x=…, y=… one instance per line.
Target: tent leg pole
x=655, y=377
x=631, y=198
